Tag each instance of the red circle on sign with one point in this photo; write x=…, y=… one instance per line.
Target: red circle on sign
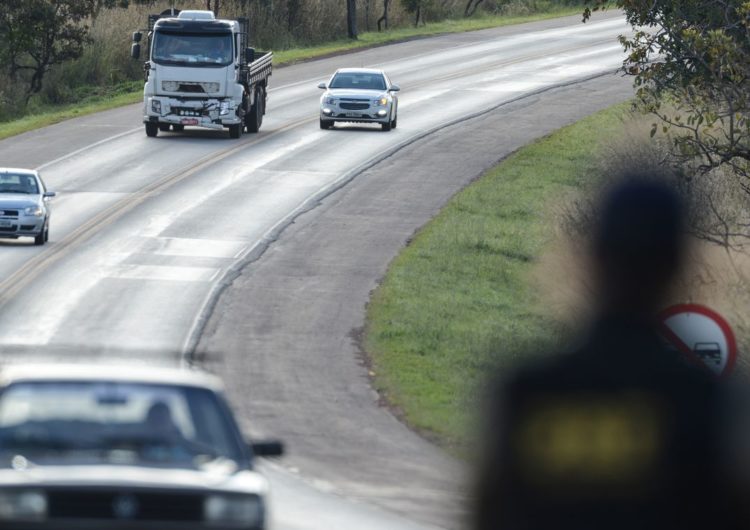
x=711, y=314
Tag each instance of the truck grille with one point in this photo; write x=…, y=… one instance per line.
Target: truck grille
x=354, y=106
x=118, y=505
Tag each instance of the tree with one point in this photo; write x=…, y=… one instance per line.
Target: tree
x=351, y=18
x=38, y=34
x=415, y=7
x=691, y=63
x=471, y=7
x=215, y=7
x=384, y=17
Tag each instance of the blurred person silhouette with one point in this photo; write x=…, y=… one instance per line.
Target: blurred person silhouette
x=622, y=432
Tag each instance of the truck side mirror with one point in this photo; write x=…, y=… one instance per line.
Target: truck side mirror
x=137, y=35
x=135, y=50
x=249, y=55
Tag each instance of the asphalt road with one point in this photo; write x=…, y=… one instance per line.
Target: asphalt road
x=258, y=254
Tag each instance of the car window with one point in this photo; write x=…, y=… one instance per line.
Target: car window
x=139, y=423
x=358, y=80
x=13, y=183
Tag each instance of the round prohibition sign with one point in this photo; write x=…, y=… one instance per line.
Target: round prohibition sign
x=702, y=334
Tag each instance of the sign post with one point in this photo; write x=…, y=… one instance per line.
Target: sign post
x=701, y=334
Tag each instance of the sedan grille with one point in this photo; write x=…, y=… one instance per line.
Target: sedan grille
x=8, y=228
x=354, y=106
x=8, y=213
x=116, y=505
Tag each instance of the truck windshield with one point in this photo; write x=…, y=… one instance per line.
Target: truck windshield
x=192, y=49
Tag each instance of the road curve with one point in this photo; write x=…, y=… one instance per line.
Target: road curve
x=147, y=233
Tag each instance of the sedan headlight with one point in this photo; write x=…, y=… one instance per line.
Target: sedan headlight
x=36, y=211
x=246, y=509
x=381, y=102
x=170, y=86
x=23, y=505
x=329, y=100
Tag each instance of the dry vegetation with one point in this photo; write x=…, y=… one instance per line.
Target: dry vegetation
x=716, y=272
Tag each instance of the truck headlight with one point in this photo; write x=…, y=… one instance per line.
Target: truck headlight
x=170, y=86
x=247, y=509
x=36, y=211
x=156, y=106
x=23, y=505
x=224, y=108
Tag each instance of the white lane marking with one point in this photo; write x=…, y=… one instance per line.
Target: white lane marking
x=203, y=248
x=86, y=148
x=164, y=273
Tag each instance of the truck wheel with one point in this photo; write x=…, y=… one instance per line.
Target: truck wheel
x=164, y=127
x=252, y=120
x=235, y=131
x=152, y=129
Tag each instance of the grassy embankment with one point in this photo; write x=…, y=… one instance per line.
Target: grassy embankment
x=462, y=297
x=131, y=92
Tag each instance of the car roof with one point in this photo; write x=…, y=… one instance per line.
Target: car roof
x=19, y=170
x=16, y=373
x=359, y=71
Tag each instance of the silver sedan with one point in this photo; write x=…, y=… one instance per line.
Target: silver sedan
x=24, y=209
x=359, y=95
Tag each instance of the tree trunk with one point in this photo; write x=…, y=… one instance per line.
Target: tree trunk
x=384, y=18
x=351, y=18
x=367, y=15
x=418, y=15
x=472, y=8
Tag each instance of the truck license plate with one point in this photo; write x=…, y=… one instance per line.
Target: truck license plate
x=5, y=223
x=189, y=121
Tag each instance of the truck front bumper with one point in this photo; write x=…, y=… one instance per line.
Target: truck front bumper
x=210, y=113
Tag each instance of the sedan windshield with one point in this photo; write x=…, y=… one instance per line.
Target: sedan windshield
x=194, y=49
x=364, y=81
x=10, y=183
x=119, y=423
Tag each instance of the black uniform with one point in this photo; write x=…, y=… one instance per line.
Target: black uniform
x=621, y=433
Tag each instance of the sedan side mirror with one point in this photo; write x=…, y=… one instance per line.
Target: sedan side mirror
x=322, y=86
x=394, y=88
x=49, y=194
x=267, y=448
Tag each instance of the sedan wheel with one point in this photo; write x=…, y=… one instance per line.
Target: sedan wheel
x=325, y=124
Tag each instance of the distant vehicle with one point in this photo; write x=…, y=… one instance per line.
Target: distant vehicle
x=359, y=95
x=201, y=72
x=85, y=447
x=23, y=205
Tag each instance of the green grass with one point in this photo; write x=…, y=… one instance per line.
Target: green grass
x=123, y=95
x=57, y=114
x=459, y=300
